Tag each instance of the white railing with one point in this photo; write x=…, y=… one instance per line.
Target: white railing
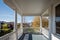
x=45, y=32
x=31, y=30
x=11, y=36
x=7, y=36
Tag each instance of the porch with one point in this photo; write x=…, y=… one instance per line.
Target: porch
x=42, y=8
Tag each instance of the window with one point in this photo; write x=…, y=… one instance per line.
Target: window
x=57, y=20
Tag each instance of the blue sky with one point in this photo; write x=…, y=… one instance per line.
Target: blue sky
x=7, y=14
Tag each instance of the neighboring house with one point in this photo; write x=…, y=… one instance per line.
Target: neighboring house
x=26, y=25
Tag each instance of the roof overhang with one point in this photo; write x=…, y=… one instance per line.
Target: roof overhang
x=29, y=7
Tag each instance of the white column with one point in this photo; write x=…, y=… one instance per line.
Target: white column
x=50, y=23
x=15, y=25
x=40, y=24
x=21, y=24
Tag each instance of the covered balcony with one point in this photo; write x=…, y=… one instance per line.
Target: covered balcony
x=45, y=9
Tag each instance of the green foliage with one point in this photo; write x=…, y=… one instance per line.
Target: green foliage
x=4, y=32
x=5, y=27
x=18, y=25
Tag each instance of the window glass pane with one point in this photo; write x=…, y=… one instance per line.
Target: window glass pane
x=57, y=20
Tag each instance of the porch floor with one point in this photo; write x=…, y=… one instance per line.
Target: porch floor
x=32, y=37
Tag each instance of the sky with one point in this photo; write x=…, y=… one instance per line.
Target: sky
x=7, y=14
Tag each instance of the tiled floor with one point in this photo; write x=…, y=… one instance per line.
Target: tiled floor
x=26, y=37
x=32, y=37
x=38, y=37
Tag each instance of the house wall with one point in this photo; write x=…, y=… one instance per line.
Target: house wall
x=54, y=35
x=52, y=27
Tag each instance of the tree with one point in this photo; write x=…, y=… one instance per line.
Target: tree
x=18, y=25
x=45, y=22
x=5, y=27
x=36, y=23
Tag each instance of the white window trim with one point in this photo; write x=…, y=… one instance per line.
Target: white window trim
x=54, y=29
